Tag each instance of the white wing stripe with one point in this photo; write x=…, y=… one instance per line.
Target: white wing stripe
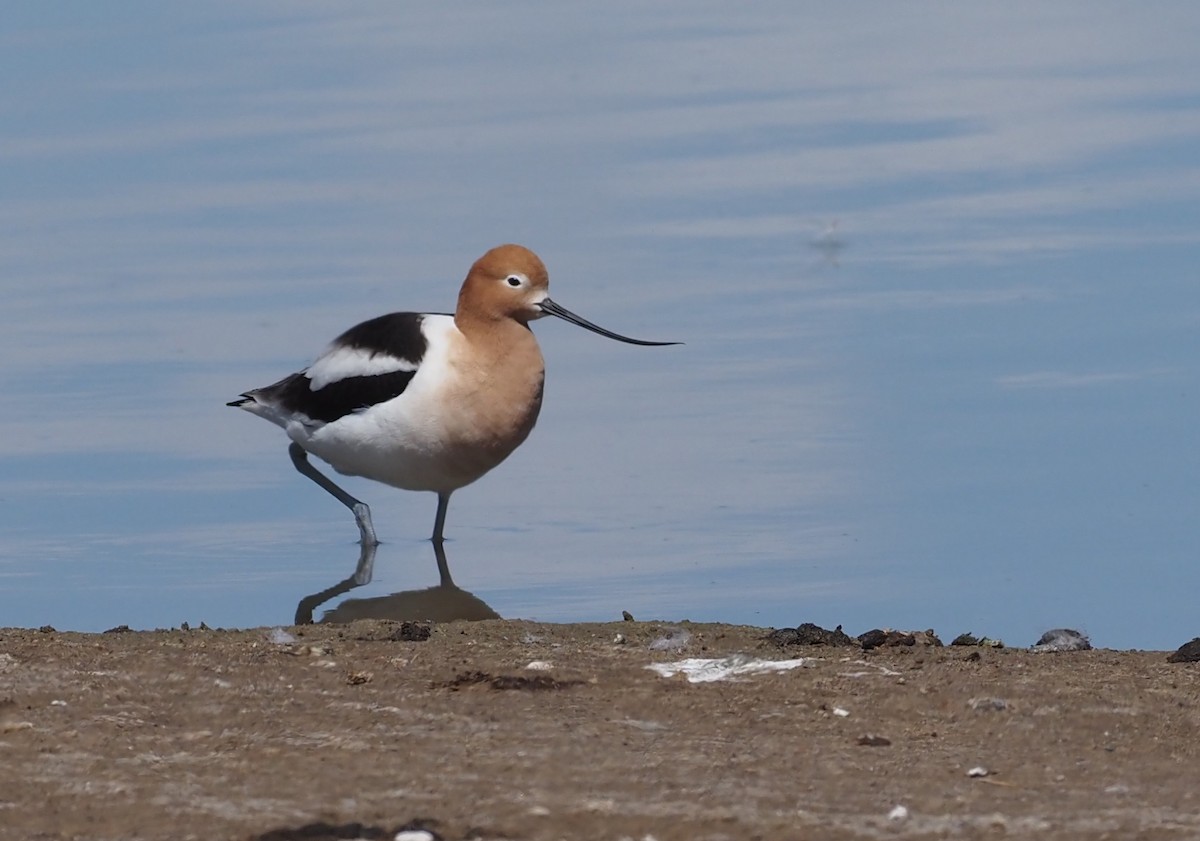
x=340, y=363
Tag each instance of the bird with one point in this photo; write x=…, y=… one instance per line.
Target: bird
x=425, y=401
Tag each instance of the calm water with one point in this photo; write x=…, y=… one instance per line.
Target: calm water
x=937, y=277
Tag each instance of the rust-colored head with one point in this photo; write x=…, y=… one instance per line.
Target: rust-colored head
x=510, y=281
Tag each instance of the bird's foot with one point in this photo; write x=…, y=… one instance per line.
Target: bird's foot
x=366, y=529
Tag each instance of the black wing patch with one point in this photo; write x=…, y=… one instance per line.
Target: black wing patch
x=397, y=334
x=337, y=399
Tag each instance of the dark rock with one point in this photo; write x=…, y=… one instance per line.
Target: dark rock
x=983, y=642
x=322, y=831
x=411, y=632
x=810, y=634
x=326, y=832
x=880, y=637
x=1189, y=652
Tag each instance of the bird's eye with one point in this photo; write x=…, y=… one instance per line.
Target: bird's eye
x=513, y=280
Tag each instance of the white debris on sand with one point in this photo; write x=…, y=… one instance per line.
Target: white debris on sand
x=707, y=670
x=673, y=640
x=278, y=636
x=985, y=704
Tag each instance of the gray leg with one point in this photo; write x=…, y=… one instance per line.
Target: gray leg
x=362, y=514
x=439, y=522
x=439, y=552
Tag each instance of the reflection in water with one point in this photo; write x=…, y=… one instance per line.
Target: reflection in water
x=444, y=602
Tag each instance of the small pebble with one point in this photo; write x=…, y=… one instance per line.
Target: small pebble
x=898, y=813
x=413, y=835
x=978, y=771
x=988, y=704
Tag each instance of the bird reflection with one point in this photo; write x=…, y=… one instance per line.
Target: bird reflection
x=444, y=602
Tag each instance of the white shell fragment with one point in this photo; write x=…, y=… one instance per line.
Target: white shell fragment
x=707, y=670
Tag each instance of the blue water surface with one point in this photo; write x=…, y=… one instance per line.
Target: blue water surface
x=936, y=272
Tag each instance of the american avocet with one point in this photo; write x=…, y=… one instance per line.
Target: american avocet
x=420, y=401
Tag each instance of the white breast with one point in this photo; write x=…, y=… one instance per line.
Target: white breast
x=451, y=425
